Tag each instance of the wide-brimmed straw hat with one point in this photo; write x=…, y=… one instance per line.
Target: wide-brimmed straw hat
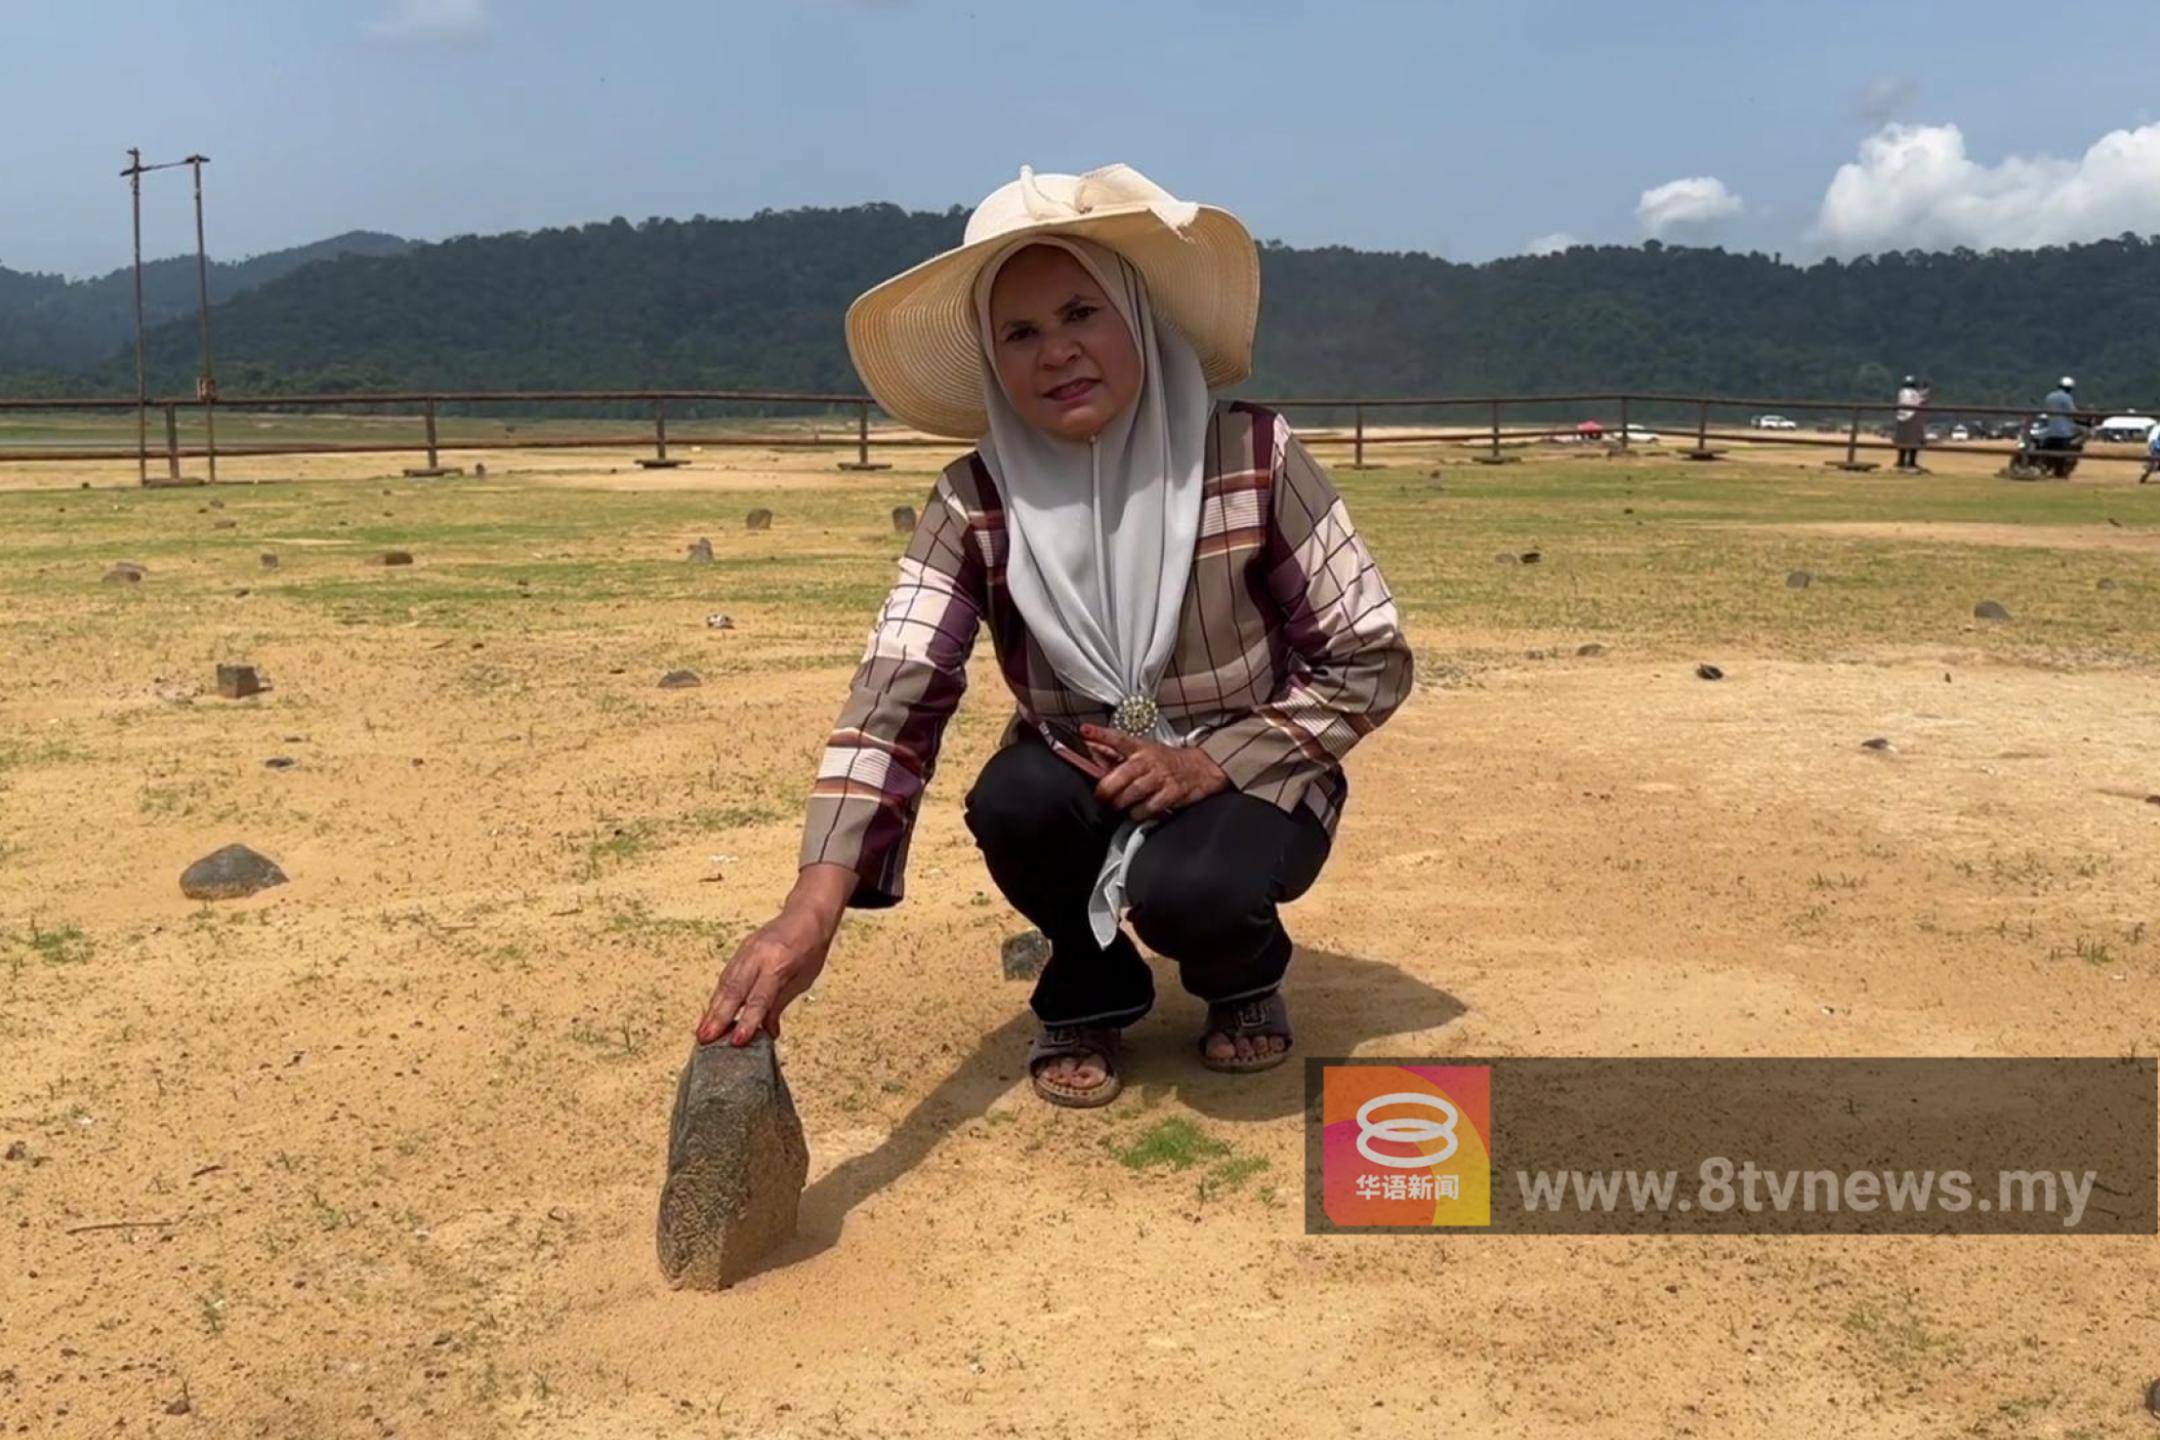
x=914, y=338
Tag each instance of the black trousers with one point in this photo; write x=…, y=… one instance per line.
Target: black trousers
x=1203, y=890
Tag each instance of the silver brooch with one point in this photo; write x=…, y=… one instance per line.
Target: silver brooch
x=1136, y=715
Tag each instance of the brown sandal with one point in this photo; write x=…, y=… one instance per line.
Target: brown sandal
x=1248, y=1020
x=1060, y=1042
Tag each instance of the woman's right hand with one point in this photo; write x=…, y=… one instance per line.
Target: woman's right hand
x=780, y=959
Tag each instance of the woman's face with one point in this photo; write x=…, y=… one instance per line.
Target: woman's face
x=1066, y=356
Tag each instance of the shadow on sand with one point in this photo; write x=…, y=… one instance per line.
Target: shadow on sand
x=1338, y=1003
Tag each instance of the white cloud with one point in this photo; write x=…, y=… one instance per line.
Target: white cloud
x=1551, y=244
x=432, y=20
x=1694, y=201
x=1914, y=186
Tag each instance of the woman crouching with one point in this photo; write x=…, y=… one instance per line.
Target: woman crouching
x=1192, y=630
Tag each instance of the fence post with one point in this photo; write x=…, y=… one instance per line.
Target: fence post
x=1702, y=427
x=172, y=443
x=209, y=416
x=659, y=424
x=862, y=459
x=1623, y=422
x=1496, y=431
x=1357, y=453
x=434, y=462
x=1852, y=441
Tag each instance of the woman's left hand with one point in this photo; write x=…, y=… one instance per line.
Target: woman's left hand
x=1151, y=779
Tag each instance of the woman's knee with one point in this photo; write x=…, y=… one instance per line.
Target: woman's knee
x=1195, y=907
x=1023, y=798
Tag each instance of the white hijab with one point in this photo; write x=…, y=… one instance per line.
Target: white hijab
x=1101, y=533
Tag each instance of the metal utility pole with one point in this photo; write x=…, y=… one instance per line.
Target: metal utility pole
x=134, y=174
x=206, y=388
x=206, y=382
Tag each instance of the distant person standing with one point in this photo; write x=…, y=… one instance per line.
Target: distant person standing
x=2152, y=453
x=1912, y=398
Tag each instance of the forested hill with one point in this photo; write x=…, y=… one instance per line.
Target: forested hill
x=758, y=302
x=55, y=324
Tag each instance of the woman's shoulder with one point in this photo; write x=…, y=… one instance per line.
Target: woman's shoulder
x=1248, y=437
x=966, y=483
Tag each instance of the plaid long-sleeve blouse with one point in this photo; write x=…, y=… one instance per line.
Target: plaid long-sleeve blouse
x=1288, y=648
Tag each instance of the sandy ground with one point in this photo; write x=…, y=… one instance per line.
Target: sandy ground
x=399, y=1123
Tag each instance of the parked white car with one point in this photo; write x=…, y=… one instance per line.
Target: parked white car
x=1959, y=432
x=1775, y=422
x=1636, y=435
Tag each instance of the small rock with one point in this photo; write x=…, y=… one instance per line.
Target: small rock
x=479, y=469
x=180, y=1406
x=1507, y=557
x=223, y=524
x=2105, y=584
x=1799, y=580
x=1023, y=956
x=242, y=593
x=237, y=682
x=1593, y=648
x=903, y=519
x=680, y=680
x=397, y=557
x=280, y=762
x=1990, y=610
x=125, y=573
x=2152, y=1399
x=1708, y=672
x=717, y=621
x=1530, y=557
x=18, y=1150
x=269, y=561
x=229, y=874
x=701, y=552
x=217, y=504
x=736, y=1165
x=1880, y=742
x=758, y=520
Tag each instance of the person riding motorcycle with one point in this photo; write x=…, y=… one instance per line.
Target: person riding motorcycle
x=2060, y=429
x=2054, y=440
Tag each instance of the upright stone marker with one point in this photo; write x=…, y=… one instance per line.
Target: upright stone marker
x=736, y=1165
x=759, y=519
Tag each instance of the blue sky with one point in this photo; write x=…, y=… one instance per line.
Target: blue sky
x=1467, y=130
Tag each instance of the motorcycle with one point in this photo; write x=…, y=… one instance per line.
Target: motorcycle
x=2039, y=457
